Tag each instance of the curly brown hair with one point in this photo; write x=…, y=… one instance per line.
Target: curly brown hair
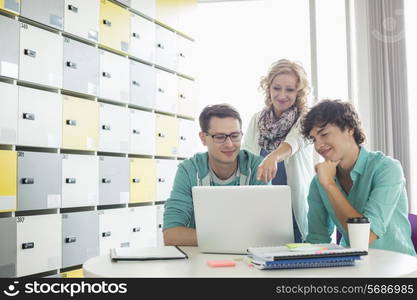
x=335, y=112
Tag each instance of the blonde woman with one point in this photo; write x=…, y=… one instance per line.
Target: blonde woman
x=274, y=133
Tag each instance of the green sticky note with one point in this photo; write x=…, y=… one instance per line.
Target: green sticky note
x=297, y=245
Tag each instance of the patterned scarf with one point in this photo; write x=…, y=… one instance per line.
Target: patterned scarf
x=273, y=130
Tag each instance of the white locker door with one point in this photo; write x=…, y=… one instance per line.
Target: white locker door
x=142, y=223
x=38, y=244
x=40, y=56
x=113, y=229
x=8, y=113
x=185, y=56
x=40, y=115
x=142, y=132
x=142, y=38
x=114, y=128
x=147, y=7
x=167, y=92
x=159, y=225
x=142, y=85
x=166, y=48
x=114, y=77
x=79, y=180
x=187, y=102
x=82, y=18
x=188, y=137
x=165, y=174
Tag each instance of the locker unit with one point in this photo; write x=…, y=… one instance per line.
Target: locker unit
x=114, y=77
x=187, y=103
x=33, y=245
x=188, y=137
x=142, y=223
x=9, y=52
x=185, y=56
x=40, y=55
x=47, y=12
x=145, y=7
x=79, y=180
x=81, y=67
x=142, y=84
x=167, y=92
x=142, y=38
x=80, y=237
x=82, y=18
x=142, y=132
x=166, y=48
x=113, y=229
x=39, y=180
x=165, y=175
x=167, y=132
x=8, y=186
x=114, y=128
x=142, y=180
x=39, y=122
x=114, y=26
x=113, y=180
x=8, y=113
x=159, y=224
x=12, y=6
x=80, y=121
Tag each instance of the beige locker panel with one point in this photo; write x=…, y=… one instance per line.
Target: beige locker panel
x=80, y=124
x=166, y=48
x=8, y=113
x=146, y=7
x=166, y=92
x=8, y=177
x=114, y=128
x=167, y=12
x=167, y=132
x=186, y=13
x=113, y=229
x=142, y=180
x=165, y=174
x=187, y=101
x=159, y=224
x=82, y=18
x=142, y=38
x=38, y=244
x=142, y=223
x=78, y=273
x=185, y=56
x=41, y=54
x=188, y=131
x=142, y=132
x=40, y=115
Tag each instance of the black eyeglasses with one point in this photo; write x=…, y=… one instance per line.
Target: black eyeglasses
x=221, y=138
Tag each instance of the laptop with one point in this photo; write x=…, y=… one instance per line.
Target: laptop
x=230, y=219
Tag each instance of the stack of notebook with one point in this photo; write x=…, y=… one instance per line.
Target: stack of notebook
x=295, y=256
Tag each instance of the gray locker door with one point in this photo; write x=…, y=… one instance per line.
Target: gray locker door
x=80, y=237
x=9, y=52
x=8, y=238
x=81, y=67
x=39, y=180
x=142, y=84
x=114, y=177
x=48, y=12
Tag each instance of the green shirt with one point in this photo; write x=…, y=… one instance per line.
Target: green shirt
x=378, y=192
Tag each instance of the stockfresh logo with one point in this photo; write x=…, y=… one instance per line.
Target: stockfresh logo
x=11, y=290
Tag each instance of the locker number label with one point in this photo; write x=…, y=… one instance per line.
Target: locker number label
x=20, y=219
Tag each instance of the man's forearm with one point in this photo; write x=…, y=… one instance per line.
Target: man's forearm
x=180, y=236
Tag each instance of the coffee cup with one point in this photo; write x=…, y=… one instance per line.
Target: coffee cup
x=359, y=230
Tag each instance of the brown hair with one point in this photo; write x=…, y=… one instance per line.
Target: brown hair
x=220, y=111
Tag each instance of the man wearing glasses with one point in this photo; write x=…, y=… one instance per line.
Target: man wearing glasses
x=223, y=164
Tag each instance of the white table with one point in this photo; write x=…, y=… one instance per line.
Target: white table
x=379, y=263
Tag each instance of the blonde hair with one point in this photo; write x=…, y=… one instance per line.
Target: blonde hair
x=285, y=66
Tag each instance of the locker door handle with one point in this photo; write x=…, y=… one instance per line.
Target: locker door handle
x=161, y=46
x=107, y=22
x=71, y=64
x=159, y=225
x=183, y=138
x=182, y=55
x=161, y=90
x=28, y=116
x=135, y=131
x=29, y=245
x=28, y=181
x=161, y=134
x=182, y=96
x=106, y=234
x=136, y=180
x=73, y=8
x=106, y=74
x=105, y=127
x=136, y=35
x=134, y=82
x=161, y=179
x=106, y=180
x=70, y=180
x=71, y=239
x=136, y=229
x=29, y=52
x=71, y=122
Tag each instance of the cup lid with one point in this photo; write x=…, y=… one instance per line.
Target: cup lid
x=356, y=220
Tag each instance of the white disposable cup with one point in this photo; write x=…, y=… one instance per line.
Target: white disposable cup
x=359, y=233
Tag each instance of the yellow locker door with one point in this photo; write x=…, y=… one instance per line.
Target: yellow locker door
x=8, y=177
x=167, y=135
x=167, y=12
x=80, y=124
x=12, y=6
x=114, y=26
x=78, y=273
x=142, y=180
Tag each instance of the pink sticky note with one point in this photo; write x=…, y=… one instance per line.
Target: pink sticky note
x=221, y=263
